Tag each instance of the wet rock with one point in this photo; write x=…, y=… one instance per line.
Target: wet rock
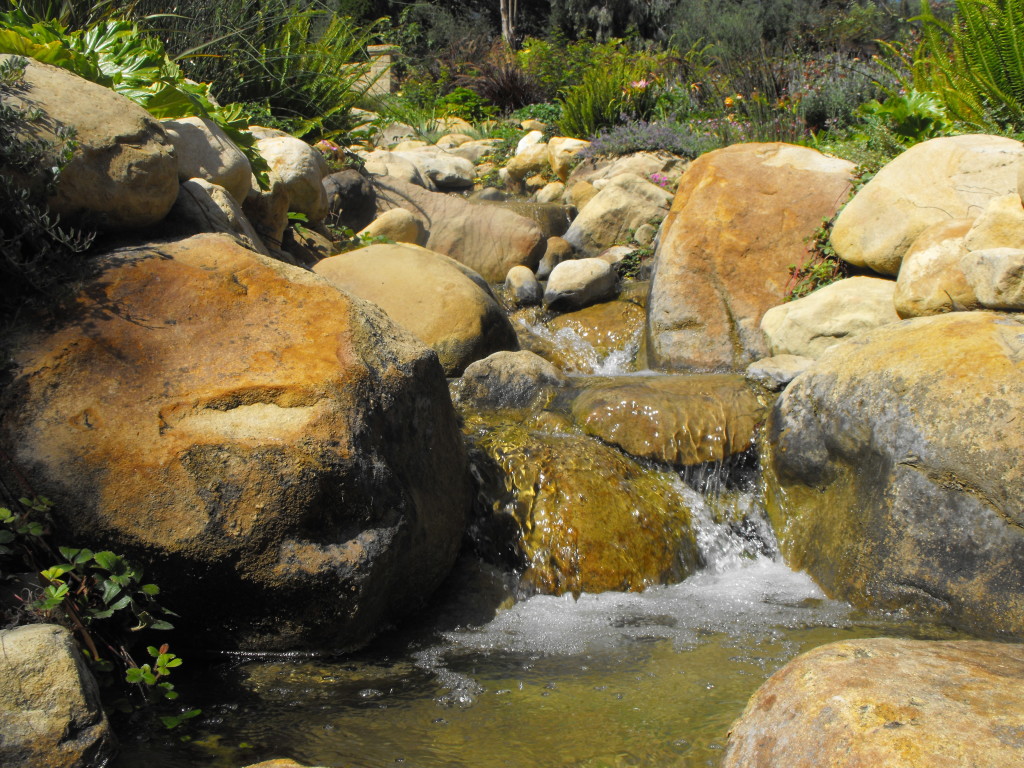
x=841, y=310
x=50, y=710
x=952, y=177
x=509, y=380
x=578, y=515
x=607, y=328
x=739, y=216
x=578, y=282
x=680, y=420
x=124, y=174
x=626, y=203
x=523, y=287
x=931, y=281
x=887, y=703
x=440, y=301
x=895, y=470
x=251, y=436
x=204, y=151
x=774, y=373
x=301, y=170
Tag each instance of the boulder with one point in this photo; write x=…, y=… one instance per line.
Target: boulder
x=409, y=145
x=488, y=240
x=267, y=211
x=996, y=277
x=523, y=287
x=123, y=174
x=578, y=516
x=642, y=164
x=475, y=151
x=50, y=710
x=1000, y=225
x=551, y=192
x=604, y=330
x=302, y=170
x=396, y=167
x=444, y=170
x=931, y=281
x=887, y=703
x=452, y=140
x=532, y=139
x=205, y=207
x=556, y=250
x=267, y=441
x=741, y=217
x=580, y=193
x=398, y=225
x=774, y=373
x=530, y=161
x=561, y=151
x=440, y=301
x=626, y=203
x=552, y=219
x=952, y=177
x=205, y=152
x=578, y=282
x=509, y=380
x=810, y=325
x=351, y=199
x=895, y=469
x=679, y=420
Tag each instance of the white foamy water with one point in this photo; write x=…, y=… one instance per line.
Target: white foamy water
x=576, y=348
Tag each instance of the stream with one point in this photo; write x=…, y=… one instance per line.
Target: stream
x=650, y=679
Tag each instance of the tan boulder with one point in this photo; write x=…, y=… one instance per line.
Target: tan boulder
x=561, y=151
x=452, y=140
x=516, y=380
x=531, y=160
x=1000, y=225
x=229, y=421
x=51, y=715
x=205, y=207
x=267, y=211
x=438, y=300
x=607, y=328
x=624, y=204
x=580, y=193
x=556, y=250
x=680, y=420
x=486, y=239
x=575, y=283
x=123, y=174
x=741, y=217
x=952, y=177
x=522, y=287
x=895, y=475
x=583, y=517
x=550, y=193
x=302, y=170
x=841, y=310
x=642, y=164
x=774, y=373
x=887, y=703
x=205, y=152
x=444, y=169
x=381, y=162
x=399, y=225
x=996, y=277
x=533, y=138
x=931, y=280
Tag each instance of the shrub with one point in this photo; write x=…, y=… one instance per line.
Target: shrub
x=624, y=90
x=677, y=138
x=545, y=112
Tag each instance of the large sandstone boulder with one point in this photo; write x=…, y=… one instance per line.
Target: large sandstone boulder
x=626, y=203
x=301, y=170
x=438, y=300
x=741, y=218
x=381, y=162
x=50, y=710
x=444, y=170
x=679, y=420
x=205, y=152
x=578, y=516
x=810, y=325
x=895, y=472
x=561, y=151
x=996, y=277
x=124, y=174
x=486, y=239
x=397, y=225
x=205, y=207
x=642, y=164
x=931, y=280
x=280, y=457
x=887, y=703
x=952, y=177
x=578, y=282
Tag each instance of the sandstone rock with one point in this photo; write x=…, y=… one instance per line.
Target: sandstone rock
x=408, y=145
x=532, y=125
x=509, y=380
x=551, y=193
x=474, y=151
x=452, y=140
x=437, y=299
x=556, y=250
x=952, y=177
x=281, y=763
x=396, y=167
x=50, y=710
x=931, y=280
x=627, y=202
x=561, y=151
x=534, y=184
x=445, y=171
x=608, y=328
x=306, y=246
x=616, y=254
x=741, y=217
x=552, y=219
x=580, y=193
x=488, y=240
x=887, y=703
x=262, y=132
x=532, y=160
x=996, y=277
x=205, y=207
x=398, y=225
x=267, y=211
x=680, y=420
x=774, y=373
x=645, y=235
x=810, y=325
x=532, y=139
x=269, y=440
x=204, y=151
x=642, y=164
x=523, y=287
x=351, y=199
x=1000, y=225
x=124, y=174
x=579, y=516
x=578, y=282
x=895, y=471
x=302, y=170
x=394, y=133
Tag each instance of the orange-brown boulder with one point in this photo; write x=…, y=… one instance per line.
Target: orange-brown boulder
x=279, y=456
x=741, y=217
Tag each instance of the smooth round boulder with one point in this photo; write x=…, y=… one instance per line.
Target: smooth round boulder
x=528, y=162
x=205, y=207
x=123, y=174
x=931, y=281
x=556, y=250
x=256, y=440
x=302, y=170
x=551, y=192
x=443, y=303
x=809, y=326
x=397, y=225
x=509, y=380
x=625, y=204
x=381, y=162
x=444, y=170
x=887, y=703
x=523, y=287
x=578, y=282
x=561, y=152
x=774, y=373
x=951, y=177
x=894, y=474
x=996, y=277
x=205, y=152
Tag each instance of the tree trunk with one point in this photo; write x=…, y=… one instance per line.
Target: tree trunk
x=509, y=11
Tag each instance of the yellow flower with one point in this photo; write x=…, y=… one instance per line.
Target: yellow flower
x=729, y=101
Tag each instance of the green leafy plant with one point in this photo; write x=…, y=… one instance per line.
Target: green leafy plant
x=466, y=104
x=605, y=96
x=822, y=267
x=912, y=117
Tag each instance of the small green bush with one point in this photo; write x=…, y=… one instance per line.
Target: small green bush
x=625, y=90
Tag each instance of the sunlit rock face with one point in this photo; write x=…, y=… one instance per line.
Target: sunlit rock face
x=896, y=469
x=280, y=457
